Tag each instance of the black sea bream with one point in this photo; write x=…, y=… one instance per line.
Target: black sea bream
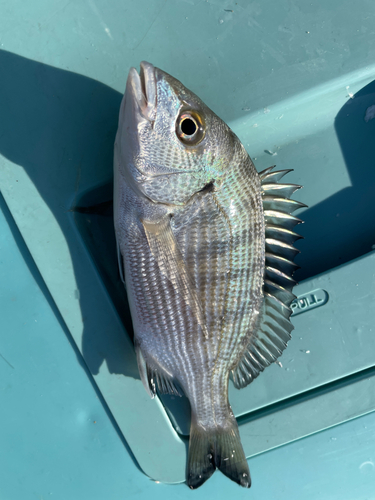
x=205, y=249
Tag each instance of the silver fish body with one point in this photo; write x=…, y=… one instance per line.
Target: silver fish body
x=207, y=259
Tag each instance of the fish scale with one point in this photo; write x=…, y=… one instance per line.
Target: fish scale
x=206, y=247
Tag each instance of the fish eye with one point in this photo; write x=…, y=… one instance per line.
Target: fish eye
x=190, y=128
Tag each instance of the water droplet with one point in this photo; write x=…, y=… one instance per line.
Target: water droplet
x=221, y=21
x=367, y=466
x=333, y=439
x=266, y=111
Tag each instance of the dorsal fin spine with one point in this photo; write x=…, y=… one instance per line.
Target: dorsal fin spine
x=270, y=338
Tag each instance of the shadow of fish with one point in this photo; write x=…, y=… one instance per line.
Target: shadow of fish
x=205, y=249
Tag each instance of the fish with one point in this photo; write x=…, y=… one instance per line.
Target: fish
x=205, y=250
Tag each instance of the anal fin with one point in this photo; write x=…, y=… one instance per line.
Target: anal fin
x=154, y=378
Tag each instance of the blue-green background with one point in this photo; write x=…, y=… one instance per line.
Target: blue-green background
x=57, y=440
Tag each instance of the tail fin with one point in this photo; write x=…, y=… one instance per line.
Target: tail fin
x=218, y=448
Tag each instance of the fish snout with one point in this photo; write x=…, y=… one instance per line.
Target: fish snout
x=141, y=88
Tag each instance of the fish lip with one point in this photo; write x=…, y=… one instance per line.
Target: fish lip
x=142, y=87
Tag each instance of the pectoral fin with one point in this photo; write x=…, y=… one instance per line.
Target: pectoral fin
x=165, y=251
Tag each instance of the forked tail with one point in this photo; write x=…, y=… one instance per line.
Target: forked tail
x=216, y=448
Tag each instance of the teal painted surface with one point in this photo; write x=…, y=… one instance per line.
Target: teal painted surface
x=59, y=442
x=297, y=83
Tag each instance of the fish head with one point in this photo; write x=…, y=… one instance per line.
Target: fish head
x=170, y=144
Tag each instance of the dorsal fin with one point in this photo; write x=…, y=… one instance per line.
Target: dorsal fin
x=272, y=334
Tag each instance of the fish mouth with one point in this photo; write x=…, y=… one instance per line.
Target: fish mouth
x=142, y=86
